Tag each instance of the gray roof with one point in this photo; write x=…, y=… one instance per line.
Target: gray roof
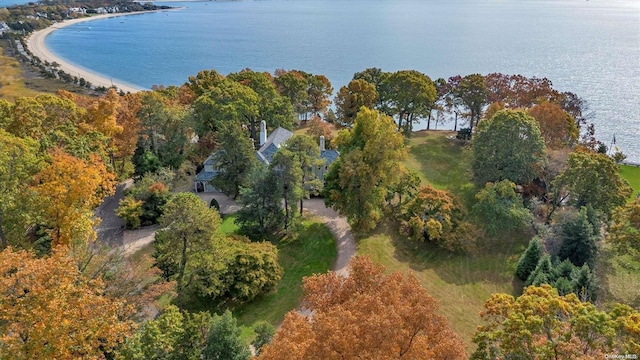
x=206, y=175
x=210, y=160
x=273, y=143
x=329, y=155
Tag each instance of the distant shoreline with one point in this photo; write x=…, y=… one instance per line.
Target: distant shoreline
x=36, y=45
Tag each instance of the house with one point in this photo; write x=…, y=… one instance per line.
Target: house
x=269, y=145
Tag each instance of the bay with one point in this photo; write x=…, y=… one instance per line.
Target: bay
x=7, y=3
x=591, y=47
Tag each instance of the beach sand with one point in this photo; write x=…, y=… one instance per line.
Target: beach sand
x=36, y=45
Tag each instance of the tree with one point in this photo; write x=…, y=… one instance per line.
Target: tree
x=264, y=333
x=433, y=215
x=48, y=310
x=248, y=268
x=358, y=182
x=411, y=96
x=261, y=212
x=624, y=228
x=273, y=108
x=579, y=240
x=593, y=179
x=224, y=341
x=292, y=85
x=529, y=259
x=557, y=127
x=305, y=150
x=540, y=324
x=19, y=161
x=369, y=315
x=234, y=161
x=500, y=208
x=204, y=81
x=472, y=93
x=508, y=146
x=173, y=335
x=187, y=241
x=351, y=98
x=69, y=189
x=287, y=167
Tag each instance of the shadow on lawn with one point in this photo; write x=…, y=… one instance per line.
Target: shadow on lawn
x=492, y=261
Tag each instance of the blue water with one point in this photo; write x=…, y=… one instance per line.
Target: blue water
x=591, y=47
x=5, y=3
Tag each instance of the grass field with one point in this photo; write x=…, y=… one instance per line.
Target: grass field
x=632, y=175
x=12, y=83
x=461, y=283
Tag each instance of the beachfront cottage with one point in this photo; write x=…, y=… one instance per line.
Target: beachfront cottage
x=269, y=145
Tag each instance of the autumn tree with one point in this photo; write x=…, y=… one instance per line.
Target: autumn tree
x=19, y=161
x=234, y=161
x=557, y=127
x=508, y=146
x=500, y=208
x=204, y=81
x=624, y=228
x=69, y=189
x=593, y=179
x=292, y=85
x=434, y=215
x=540, y=324
x=49, y=311
x=351, y=98
x=368, y=314
x=358, y=182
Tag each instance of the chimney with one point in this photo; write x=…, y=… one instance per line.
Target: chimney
x=321, y=142
x=263, y=132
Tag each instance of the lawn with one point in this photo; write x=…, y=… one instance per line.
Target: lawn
x=632, y=175
x=442, y=162
x=313, y=252
x=461, y=283
x=12, y=83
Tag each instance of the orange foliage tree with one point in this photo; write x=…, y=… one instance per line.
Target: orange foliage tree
x=557, y=127
x=49, y=311
x=368, y=315
x=69, y=188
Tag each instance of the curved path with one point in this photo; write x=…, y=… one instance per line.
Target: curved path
x=131, y=241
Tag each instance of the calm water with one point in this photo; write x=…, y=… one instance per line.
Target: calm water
x=5, y=3
x=589, y=47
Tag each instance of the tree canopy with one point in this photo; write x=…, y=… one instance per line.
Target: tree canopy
x=508, y=147
x=368, y=314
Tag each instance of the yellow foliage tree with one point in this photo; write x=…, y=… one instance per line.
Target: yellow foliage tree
x=68, y=189
x=49, y=311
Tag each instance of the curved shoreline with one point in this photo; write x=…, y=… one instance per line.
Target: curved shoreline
x=36, y=45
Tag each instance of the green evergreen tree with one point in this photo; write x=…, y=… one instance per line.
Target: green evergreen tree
x=529, y=259
x=578, y=240
x=585, y=284
x=224, y=342
x=235, y=161
x=543, y=272
x=261, y=213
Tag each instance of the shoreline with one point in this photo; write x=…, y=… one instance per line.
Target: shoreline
x=36, y=45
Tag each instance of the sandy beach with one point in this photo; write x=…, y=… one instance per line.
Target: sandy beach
x=36, y=45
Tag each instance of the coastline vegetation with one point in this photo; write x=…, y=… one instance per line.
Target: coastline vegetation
x=413, y=206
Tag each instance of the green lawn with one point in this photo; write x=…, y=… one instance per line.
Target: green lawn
x=313, y=252
x=461, y=283
x=632, y=175
x=442, y=162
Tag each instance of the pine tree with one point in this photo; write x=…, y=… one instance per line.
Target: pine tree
x=579, y=240
x=585, y=284
x=544, y=270
x=224, y=342
x=529, y=260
